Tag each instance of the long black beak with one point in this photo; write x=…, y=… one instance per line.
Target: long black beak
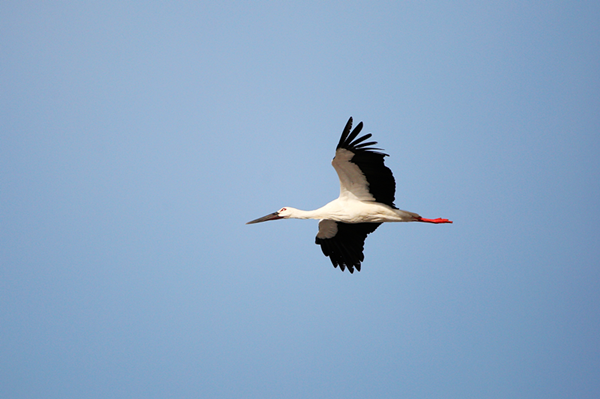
x=270, y=216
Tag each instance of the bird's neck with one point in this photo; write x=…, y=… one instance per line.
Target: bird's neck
x=300, y=214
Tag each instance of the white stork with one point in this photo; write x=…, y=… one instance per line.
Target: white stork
x=366, y=200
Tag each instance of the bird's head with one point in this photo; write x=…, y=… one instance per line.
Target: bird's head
x=283, y=213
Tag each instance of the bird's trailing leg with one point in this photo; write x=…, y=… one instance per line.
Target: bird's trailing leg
x=438, y=220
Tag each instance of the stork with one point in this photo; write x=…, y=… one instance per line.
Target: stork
x=367, y=189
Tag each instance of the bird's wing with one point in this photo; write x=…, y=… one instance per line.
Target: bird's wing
x=361, y=169
x=344, y=243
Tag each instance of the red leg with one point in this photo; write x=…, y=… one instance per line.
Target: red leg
x=438, y=220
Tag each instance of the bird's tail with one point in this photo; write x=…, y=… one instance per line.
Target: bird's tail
x=408, y=216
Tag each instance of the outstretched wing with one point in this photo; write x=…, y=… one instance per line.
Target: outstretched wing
x=344, y=243
x=361, y=169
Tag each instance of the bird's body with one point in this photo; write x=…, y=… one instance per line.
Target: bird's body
x=352, y=211
x=367, y=190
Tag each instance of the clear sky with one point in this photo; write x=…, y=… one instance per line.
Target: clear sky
x=137, y=138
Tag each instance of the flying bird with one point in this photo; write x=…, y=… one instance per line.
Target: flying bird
x=367, y=190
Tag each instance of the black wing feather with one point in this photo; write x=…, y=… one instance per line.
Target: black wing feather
x=345, y=249
x=371, y=162
x=363, y=138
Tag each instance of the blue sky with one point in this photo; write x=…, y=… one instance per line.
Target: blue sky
x=137, y=138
